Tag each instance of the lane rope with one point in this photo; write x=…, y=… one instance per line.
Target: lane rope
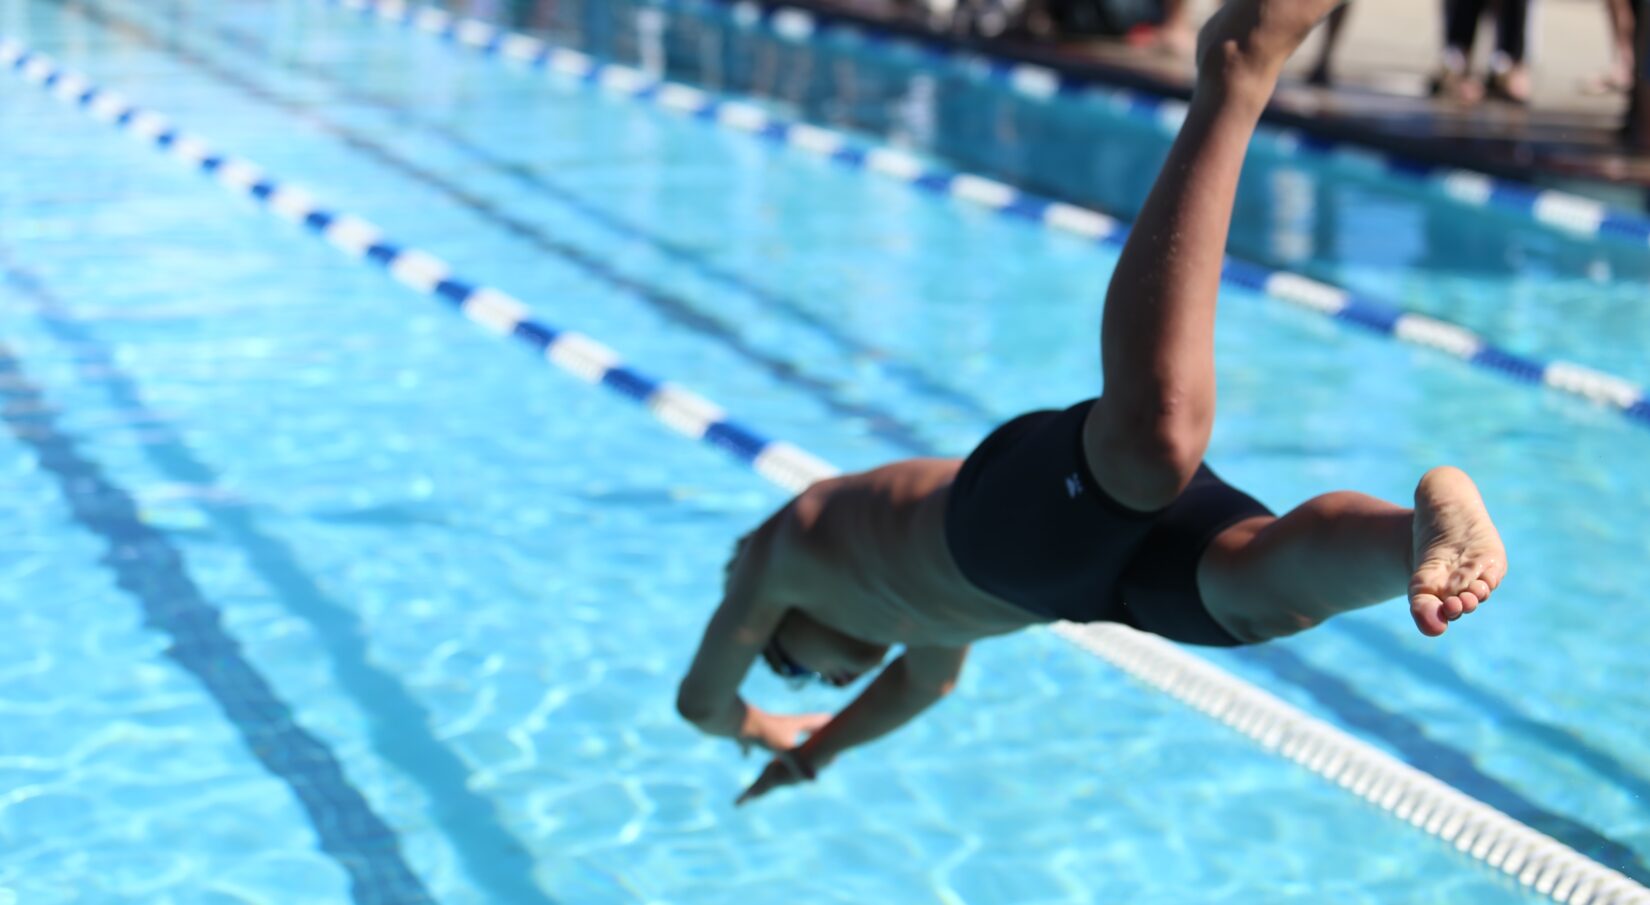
x=1357, y=309
x=1562, y=211
x=1482, y=832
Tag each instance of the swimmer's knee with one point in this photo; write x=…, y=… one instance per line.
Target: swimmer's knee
x=1145, y=458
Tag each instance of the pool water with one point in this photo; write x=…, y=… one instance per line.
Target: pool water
x=319, y=593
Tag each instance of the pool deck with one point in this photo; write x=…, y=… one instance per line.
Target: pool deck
x=1566, y=137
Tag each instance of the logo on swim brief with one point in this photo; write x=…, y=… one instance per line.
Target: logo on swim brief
x=1074, y=485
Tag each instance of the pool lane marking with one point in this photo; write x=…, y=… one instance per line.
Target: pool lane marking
x=1406, y=735
x=490, y=308
x=1350, y=707
x=1474, y=828
x=675, y=309
x=1441, y=675
x=148, y=567
x=1561, y=211
x=1357, y=309
x=494, y=860
x=1481, y=831
x=531, y=178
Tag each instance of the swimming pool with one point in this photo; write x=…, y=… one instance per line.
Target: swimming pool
x=471, y=582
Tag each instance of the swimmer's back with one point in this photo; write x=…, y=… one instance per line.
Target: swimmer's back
x=875, y=563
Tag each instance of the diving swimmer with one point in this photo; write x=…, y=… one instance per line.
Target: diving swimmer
x=1102, y=511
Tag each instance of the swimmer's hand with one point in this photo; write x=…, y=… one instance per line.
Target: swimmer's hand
x=778, y=731
x=786, y=769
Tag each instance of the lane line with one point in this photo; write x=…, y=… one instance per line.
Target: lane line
x=1357, y=309
x=493, y=859
x=357, y=237
x=1535, y=859
x=534, y=180
x=149, y=568
x=1564, y=212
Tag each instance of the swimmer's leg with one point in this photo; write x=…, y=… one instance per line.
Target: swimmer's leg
x=1264, y=578
x=1147, y=434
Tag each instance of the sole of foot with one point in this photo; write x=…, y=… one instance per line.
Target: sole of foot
x=1257, y=36
x=1459, y=558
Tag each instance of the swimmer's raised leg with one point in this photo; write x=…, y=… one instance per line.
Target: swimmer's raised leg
x=1148, y=432
x=1266, y=578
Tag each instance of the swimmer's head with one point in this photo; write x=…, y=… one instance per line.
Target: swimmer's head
x=803, y=651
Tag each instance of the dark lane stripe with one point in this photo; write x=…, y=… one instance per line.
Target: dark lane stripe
x=535, y=181
x=878, y=422
x=1448, y=764
x=398, y=725
x=146, y=566
x=1439, y=674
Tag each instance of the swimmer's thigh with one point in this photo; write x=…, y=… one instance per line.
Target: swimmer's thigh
x=1178, y=582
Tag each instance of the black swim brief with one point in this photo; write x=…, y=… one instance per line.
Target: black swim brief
x=1027, y=522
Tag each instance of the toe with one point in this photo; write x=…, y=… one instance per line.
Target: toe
x=1479, y=589
x=1465, y=575
x=1493, y=573
x=1469, y=601
x=1424, y=608
x=1452, y=608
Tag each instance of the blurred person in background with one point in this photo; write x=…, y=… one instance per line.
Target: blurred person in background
x=1173, y=35
x=1636, y=131
x=1070, y=18
x=1323, y=69
x=1619, y=77
x=1508, y=78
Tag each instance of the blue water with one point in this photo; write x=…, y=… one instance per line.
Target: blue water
x=1343, y=222
x=318, y=593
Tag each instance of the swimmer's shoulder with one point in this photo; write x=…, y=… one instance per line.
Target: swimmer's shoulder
x=892, y=488
x=870, y=515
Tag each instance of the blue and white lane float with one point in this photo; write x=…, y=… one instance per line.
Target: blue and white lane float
x=1343, y=305
x=1562, y=211
x=493, y=309
x=1482, y=832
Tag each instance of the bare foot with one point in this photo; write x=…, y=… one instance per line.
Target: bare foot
x=1255, y=37
x=1457, y=86
x=1618, y=79
x=1459, y=559
x=1511, y=85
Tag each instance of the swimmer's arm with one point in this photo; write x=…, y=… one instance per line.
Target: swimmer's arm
x=907, y=687
x=709, y=694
